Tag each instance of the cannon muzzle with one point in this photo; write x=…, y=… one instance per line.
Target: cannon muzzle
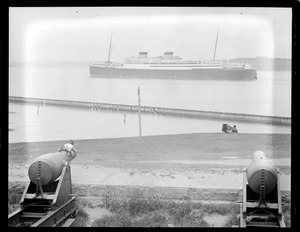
x=261, y=204
x=261, y=172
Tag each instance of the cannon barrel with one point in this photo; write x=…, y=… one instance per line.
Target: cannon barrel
x=261, y=172
x=47, y=168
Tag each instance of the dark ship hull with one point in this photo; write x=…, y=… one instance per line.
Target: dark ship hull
x=185, y=74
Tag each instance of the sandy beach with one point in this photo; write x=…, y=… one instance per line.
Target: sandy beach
x=210, y=160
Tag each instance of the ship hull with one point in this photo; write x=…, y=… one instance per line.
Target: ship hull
x=198, y=74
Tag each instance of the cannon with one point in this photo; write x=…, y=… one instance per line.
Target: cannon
x=47, y=168
x=47, y=199
x=261, y=203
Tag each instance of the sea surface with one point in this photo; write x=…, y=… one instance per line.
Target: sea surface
x=270, y=95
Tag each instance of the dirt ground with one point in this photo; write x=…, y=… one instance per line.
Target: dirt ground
x=206, y=176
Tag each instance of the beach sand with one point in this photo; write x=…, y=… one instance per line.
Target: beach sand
x=204, y=160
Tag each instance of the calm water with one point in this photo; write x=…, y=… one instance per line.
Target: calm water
x=269, y=95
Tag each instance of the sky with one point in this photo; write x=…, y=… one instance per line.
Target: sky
x=55, y=34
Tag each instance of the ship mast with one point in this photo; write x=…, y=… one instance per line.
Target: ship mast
x=216, y=45
x=108, y=60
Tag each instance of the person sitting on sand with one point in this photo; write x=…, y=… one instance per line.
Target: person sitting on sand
x=70, y=151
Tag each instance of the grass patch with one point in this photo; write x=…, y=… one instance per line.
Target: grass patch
x=286, y=209
x=14, y=196
x=166, y=146
x=82, y=217
x=139, y=210
x=15, y=193
x=117, y=220
x=233, y=219
x=222, y=209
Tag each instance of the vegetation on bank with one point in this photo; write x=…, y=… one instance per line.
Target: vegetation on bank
x=138, y=210
x=14, y=196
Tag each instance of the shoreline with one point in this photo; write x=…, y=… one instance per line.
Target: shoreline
x=185, y=160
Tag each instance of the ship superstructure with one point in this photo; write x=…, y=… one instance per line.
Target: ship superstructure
x=170, y=66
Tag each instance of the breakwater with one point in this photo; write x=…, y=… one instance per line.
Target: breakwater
x=155, y=110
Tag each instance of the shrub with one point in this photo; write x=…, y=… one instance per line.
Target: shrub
x=192, y=220
x=137, y=206
x=117, y=220
x=180, y=211
x=81, y=218
x=222, y=209
x=233, y=219
x=15, y=194
x=286, y=209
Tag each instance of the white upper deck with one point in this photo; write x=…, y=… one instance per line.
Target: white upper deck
x=168, y=62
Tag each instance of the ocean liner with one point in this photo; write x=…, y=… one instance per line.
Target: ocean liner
x=173, y=67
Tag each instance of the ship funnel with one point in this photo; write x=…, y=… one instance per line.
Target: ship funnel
x=168, y=55
x=143, y=54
